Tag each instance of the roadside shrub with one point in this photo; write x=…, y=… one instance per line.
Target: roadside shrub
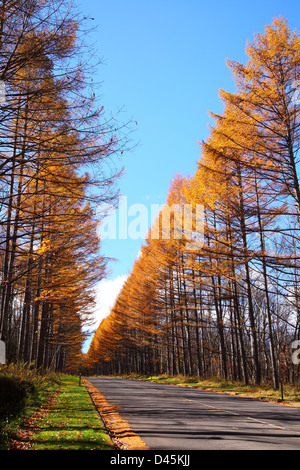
x=14, y=394
x=19, y=387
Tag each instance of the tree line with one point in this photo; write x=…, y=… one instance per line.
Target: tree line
x=55, y=146
x=230, y=308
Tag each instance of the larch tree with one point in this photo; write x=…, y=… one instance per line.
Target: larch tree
x=55, y=143
x=230, y=307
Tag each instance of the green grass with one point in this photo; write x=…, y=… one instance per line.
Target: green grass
x=291, y=393
x=22, y=391
x=72, y=422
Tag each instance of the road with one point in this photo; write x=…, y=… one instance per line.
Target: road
x=167, y=417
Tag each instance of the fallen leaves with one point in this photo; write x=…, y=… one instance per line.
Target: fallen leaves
x=119, y=430
x=22, y=438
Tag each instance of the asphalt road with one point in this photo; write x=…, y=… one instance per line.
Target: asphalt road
x=167, y=417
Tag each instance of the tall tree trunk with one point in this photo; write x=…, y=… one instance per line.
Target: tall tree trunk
x=253, y=330
x=263, y=255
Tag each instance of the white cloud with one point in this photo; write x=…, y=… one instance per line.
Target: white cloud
x=107, y=292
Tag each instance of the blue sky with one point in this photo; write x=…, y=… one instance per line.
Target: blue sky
x=163, y=64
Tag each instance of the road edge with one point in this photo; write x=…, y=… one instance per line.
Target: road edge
x=284, y=402
x=119, y=430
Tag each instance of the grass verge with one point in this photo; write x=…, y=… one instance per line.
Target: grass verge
x=71, y=422
x=120, y=430
x=22, y=390
x=291, y=393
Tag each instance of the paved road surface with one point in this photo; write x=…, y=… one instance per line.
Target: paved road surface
x=167, y=417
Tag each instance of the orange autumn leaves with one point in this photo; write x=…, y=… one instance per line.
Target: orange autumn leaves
x=230, y=308
x=55, y=146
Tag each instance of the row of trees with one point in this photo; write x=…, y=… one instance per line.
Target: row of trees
x=54, y=148
x=231, y=307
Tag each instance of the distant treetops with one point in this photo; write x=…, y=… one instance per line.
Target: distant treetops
x=231, y=307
